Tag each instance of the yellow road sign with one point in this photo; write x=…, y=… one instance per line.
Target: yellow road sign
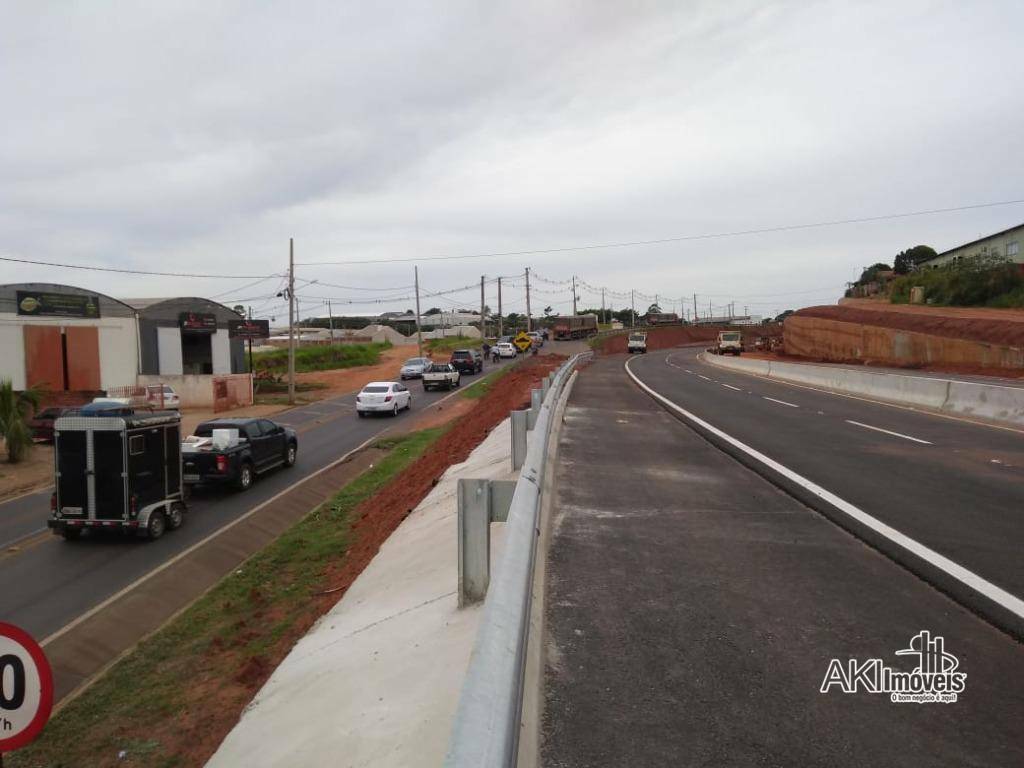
x=522, y=341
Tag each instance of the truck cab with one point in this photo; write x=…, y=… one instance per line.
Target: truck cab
x=729, y=343
x=637, y=342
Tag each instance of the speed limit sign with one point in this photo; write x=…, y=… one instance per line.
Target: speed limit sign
x=26, y=688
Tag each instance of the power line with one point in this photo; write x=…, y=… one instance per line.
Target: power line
x=680, y=239
x=134, y=271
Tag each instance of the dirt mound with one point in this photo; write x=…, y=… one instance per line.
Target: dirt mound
x=662, y=338
x=984, y=325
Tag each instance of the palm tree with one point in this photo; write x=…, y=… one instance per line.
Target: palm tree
x=14, y=410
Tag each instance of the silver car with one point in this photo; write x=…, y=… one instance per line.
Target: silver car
x=414, y=367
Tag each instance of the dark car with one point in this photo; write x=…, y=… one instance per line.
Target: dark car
x=262, y=445
x=41, y=425
x=467, y=360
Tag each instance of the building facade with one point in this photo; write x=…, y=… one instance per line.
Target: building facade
x=1006, y=244
x=187, y=336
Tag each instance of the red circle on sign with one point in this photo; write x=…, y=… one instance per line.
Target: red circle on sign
x=27, y=735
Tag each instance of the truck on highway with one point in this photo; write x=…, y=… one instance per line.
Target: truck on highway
x=574, y=326
x=441, y=375
x=116, y=468
x=637, y=342
x=234, y=451
x=729, y=343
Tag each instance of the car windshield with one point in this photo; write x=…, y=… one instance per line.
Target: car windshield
x=637, y=337
x=413, y=361
x=375, y=389
x=460, y=353
x=730, y=337
x=438, y=368
x=206, y=430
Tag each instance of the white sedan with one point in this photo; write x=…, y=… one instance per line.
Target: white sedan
x=505, y=349
x=383, y=397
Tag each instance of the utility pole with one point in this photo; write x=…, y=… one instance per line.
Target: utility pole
x=603, y=318
x=419, y=330
x=574, y=295
x=291, y=321
x=695, y=309
x=529, y=327
x=330, y=319
x=632, y=307
x=501, y=318
x=483, y=323
x=250, y=343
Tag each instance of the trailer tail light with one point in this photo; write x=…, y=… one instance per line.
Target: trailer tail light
x=222, y=463
x=133, y=505
x=53, y=502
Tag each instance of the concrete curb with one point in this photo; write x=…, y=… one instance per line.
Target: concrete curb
x=963, y=398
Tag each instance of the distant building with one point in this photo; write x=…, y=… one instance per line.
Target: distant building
x=1005, y=244
x=449, y=319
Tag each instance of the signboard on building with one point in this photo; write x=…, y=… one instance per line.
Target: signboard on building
x=197, y=322
x=42, y=304
x=248, y=329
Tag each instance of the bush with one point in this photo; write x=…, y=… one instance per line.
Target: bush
x=320, y=358
x=979, y=281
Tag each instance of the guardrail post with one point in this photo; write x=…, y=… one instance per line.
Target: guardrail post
x=474, y=541
x=545, y=387
x=518, y=438
x=535, y=400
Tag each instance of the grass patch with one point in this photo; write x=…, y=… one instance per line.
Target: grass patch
x=973, y=282
x=484, y=385
x=236, y=623
x=320, y=358
x=449, y=343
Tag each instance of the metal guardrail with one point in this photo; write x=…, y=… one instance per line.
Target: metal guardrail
x=487, y=722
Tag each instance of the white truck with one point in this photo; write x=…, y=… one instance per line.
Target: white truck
x=729, y=343
x=438, y=375
x=637, y=342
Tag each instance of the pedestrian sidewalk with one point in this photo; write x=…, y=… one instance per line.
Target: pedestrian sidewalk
x=376, y=681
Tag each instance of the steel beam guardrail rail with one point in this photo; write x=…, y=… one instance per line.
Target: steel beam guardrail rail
x=487, y=722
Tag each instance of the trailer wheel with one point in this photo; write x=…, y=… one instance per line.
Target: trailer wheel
x=176, y=517
x=244, y=482
x=156, y=526
x=71, y=534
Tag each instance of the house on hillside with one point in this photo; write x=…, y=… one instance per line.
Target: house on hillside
x=1005, y=244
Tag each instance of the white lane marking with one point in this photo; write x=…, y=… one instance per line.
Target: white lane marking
x=704, y=377
x=888, y=432
x=780, y=402
x=996, y=594
x=730, y=386
x=688, y=370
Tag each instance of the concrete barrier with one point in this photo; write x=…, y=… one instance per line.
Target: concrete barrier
x=986, y=401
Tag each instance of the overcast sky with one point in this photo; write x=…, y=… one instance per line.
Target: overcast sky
x=199, y=137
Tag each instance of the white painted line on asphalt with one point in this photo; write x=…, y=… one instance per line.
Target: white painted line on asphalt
x=186, y=552
x=888, y=432
x=688, y=370
x=996, y=594
x=704, y=377
x=780, y=402
x=730, y=386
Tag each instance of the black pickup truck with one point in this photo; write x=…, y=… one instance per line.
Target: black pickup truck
x=262, y=445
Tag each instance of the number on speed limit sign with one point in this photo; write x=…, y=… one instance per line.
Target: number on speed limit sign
x=26, y=688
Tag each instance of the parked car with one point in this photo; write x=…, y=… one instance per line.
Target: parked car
x=506, y=349
x=413, y=367
x=234, y=451
x=467, y=360
x=41, y=425
x=383, y=397
x=441, y=375
x=162, y=396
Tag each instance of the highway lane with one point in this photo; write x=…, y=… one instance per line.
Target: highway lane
x=50, y=582
x=955, y=486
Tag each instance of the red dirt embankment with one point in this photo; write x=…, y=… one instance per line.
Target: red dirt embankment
x=991, y=326
x=663, y=338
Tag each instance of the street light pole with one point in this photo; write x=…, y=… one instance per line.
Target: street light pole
x=419, y=330
x=291, y=321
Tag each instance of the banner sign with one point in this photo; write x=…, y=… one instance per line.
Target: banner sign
x=197, y=322
x=248, y=329
x=57, y=304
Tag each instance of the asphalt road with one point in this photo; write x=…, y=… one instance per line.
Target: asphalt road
x=50, y=582
x=955, y=486
x=693, y=608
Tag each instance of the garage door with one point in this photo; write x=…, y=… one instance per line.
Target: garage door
x=44, y=357
x=83, y=346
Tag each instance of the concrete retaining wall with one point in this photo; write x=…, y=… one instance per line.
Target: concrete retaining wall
x=842, y=342
x=987, y=401
x=203, y=391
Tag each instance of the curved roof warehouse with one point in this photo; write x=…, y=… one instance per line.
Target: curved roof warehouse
x=71, y=339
